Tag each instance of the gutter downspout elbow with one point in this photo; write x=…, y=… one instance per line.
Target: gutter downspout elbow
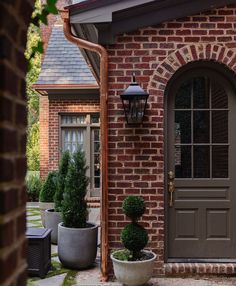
x=104, y=133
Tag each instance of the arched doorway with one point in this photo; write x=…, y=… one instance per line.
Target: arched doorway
x=200, y=151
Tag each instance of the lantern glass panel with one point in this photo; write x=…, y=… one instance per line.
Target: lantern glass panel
x=134, y=109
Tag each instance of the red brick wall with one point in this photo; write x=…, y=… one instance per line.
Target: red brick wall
x=136, y=155
x=44, y=132
x=15, y=17
x=51, y=132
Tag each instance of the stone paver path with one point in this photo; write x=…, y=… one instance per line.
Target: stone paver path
x=60, y=276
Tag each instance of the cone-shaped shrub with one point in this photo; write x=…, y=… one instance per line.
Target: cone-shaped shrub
x=62, y=172
x=134, y=236
x=49, y=188
x=74, y=206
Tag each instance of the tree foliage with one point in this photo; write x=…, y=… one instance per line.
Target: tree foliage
x=33, y=53
x=32, y=148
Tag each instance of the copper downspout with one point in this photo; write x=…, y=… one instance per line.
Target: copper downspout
x=104, y=133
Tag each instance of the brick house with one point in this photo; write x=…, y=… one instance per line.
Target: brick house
x=183, y=54
x=69, y=107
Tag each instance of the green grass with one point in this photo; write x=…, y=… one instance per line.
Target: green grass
x=30, y=282
x=33, y=214
x=57, y=269
x=33, y=210
x=70, y=278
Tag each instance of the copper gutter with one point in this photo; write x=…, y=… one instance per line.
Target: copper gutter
x=104, y=133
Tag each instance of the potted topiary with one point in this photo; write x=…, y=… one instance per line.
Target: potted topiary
x=47, y=192
x=133, y=266
x=77, y=238
x=53, y=215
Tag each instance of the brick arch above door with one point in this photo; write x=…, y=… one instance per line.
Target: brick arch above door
x=188, y=54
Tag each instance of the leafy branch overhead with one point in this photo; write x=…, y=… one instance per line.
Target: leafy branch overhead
x=41, y=17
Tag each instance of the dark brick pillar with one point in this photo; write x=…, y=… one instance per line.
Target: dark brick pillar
x=14, y=21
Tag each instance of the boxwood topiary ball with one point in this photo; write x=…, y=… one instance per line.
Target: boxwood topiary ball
x=133, y=207
x=134, y=237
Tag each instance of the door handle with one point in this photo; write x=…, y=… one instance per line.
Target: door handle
x=171, y=187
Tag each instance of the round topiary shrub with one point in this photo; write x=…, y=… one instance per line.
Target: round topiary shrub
x=133, y=207
x=134, y=237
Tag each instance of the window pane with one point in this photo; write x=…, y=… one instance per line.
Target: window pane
x=95, y=118
x=201, y=161
x=183, y=96
x=219, y=98
x=73, y=139
x=96, y=134
x=220, y=161
x=201, y=127
x=183, y=161
x=81, y=119
x=220, y=126
x=182, y=127
x=75, y=119
x=200, y=93
x=97, y=182
x=96, y=158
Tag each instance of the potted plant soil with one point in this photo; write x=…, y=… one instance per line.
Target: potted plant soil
x=77, y=238
x=53, y=215
x=47, y=192
x=133, y=266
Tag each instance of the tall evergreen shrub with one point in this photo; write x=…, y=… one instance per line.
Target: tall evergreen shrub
x=49, y=188
x=74, y=206
x=62, y=172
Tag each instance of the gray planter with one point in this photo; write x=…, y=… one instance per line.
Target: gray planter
x=52, y=219
x=133, y=273
x=77, y=247
x=43, y=207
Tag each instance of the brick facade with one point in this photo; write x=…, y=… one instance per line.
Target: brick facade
x=136, y=155
x=44, y=134
x=50, y=129
x=14, y=18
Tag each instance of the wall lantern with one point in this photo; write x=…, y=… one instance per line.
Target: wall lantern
x=134, y=100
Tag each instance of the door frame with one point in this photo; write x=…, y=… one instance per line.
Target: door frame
x=223, y=71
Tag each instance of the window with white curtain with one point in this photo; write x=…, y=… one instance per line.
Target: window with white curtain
x=83, y=131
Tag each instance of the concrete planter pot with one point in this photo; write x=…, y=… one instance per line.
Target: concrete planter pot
x=133, y=273
x=52, y=219
x=77, y=247
x=43, y=207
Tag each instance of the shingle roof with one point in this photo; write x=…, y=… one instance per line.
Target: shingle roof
x=63, y=62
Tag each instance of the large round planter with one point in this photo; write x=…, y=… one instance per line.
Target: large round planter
x=133, y=273
x=43, y=207
x=77, y=247
x=52, y=219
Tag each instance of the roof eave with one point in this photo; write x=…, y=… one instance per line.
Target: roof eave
x=67, y=89
x=140, y=15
